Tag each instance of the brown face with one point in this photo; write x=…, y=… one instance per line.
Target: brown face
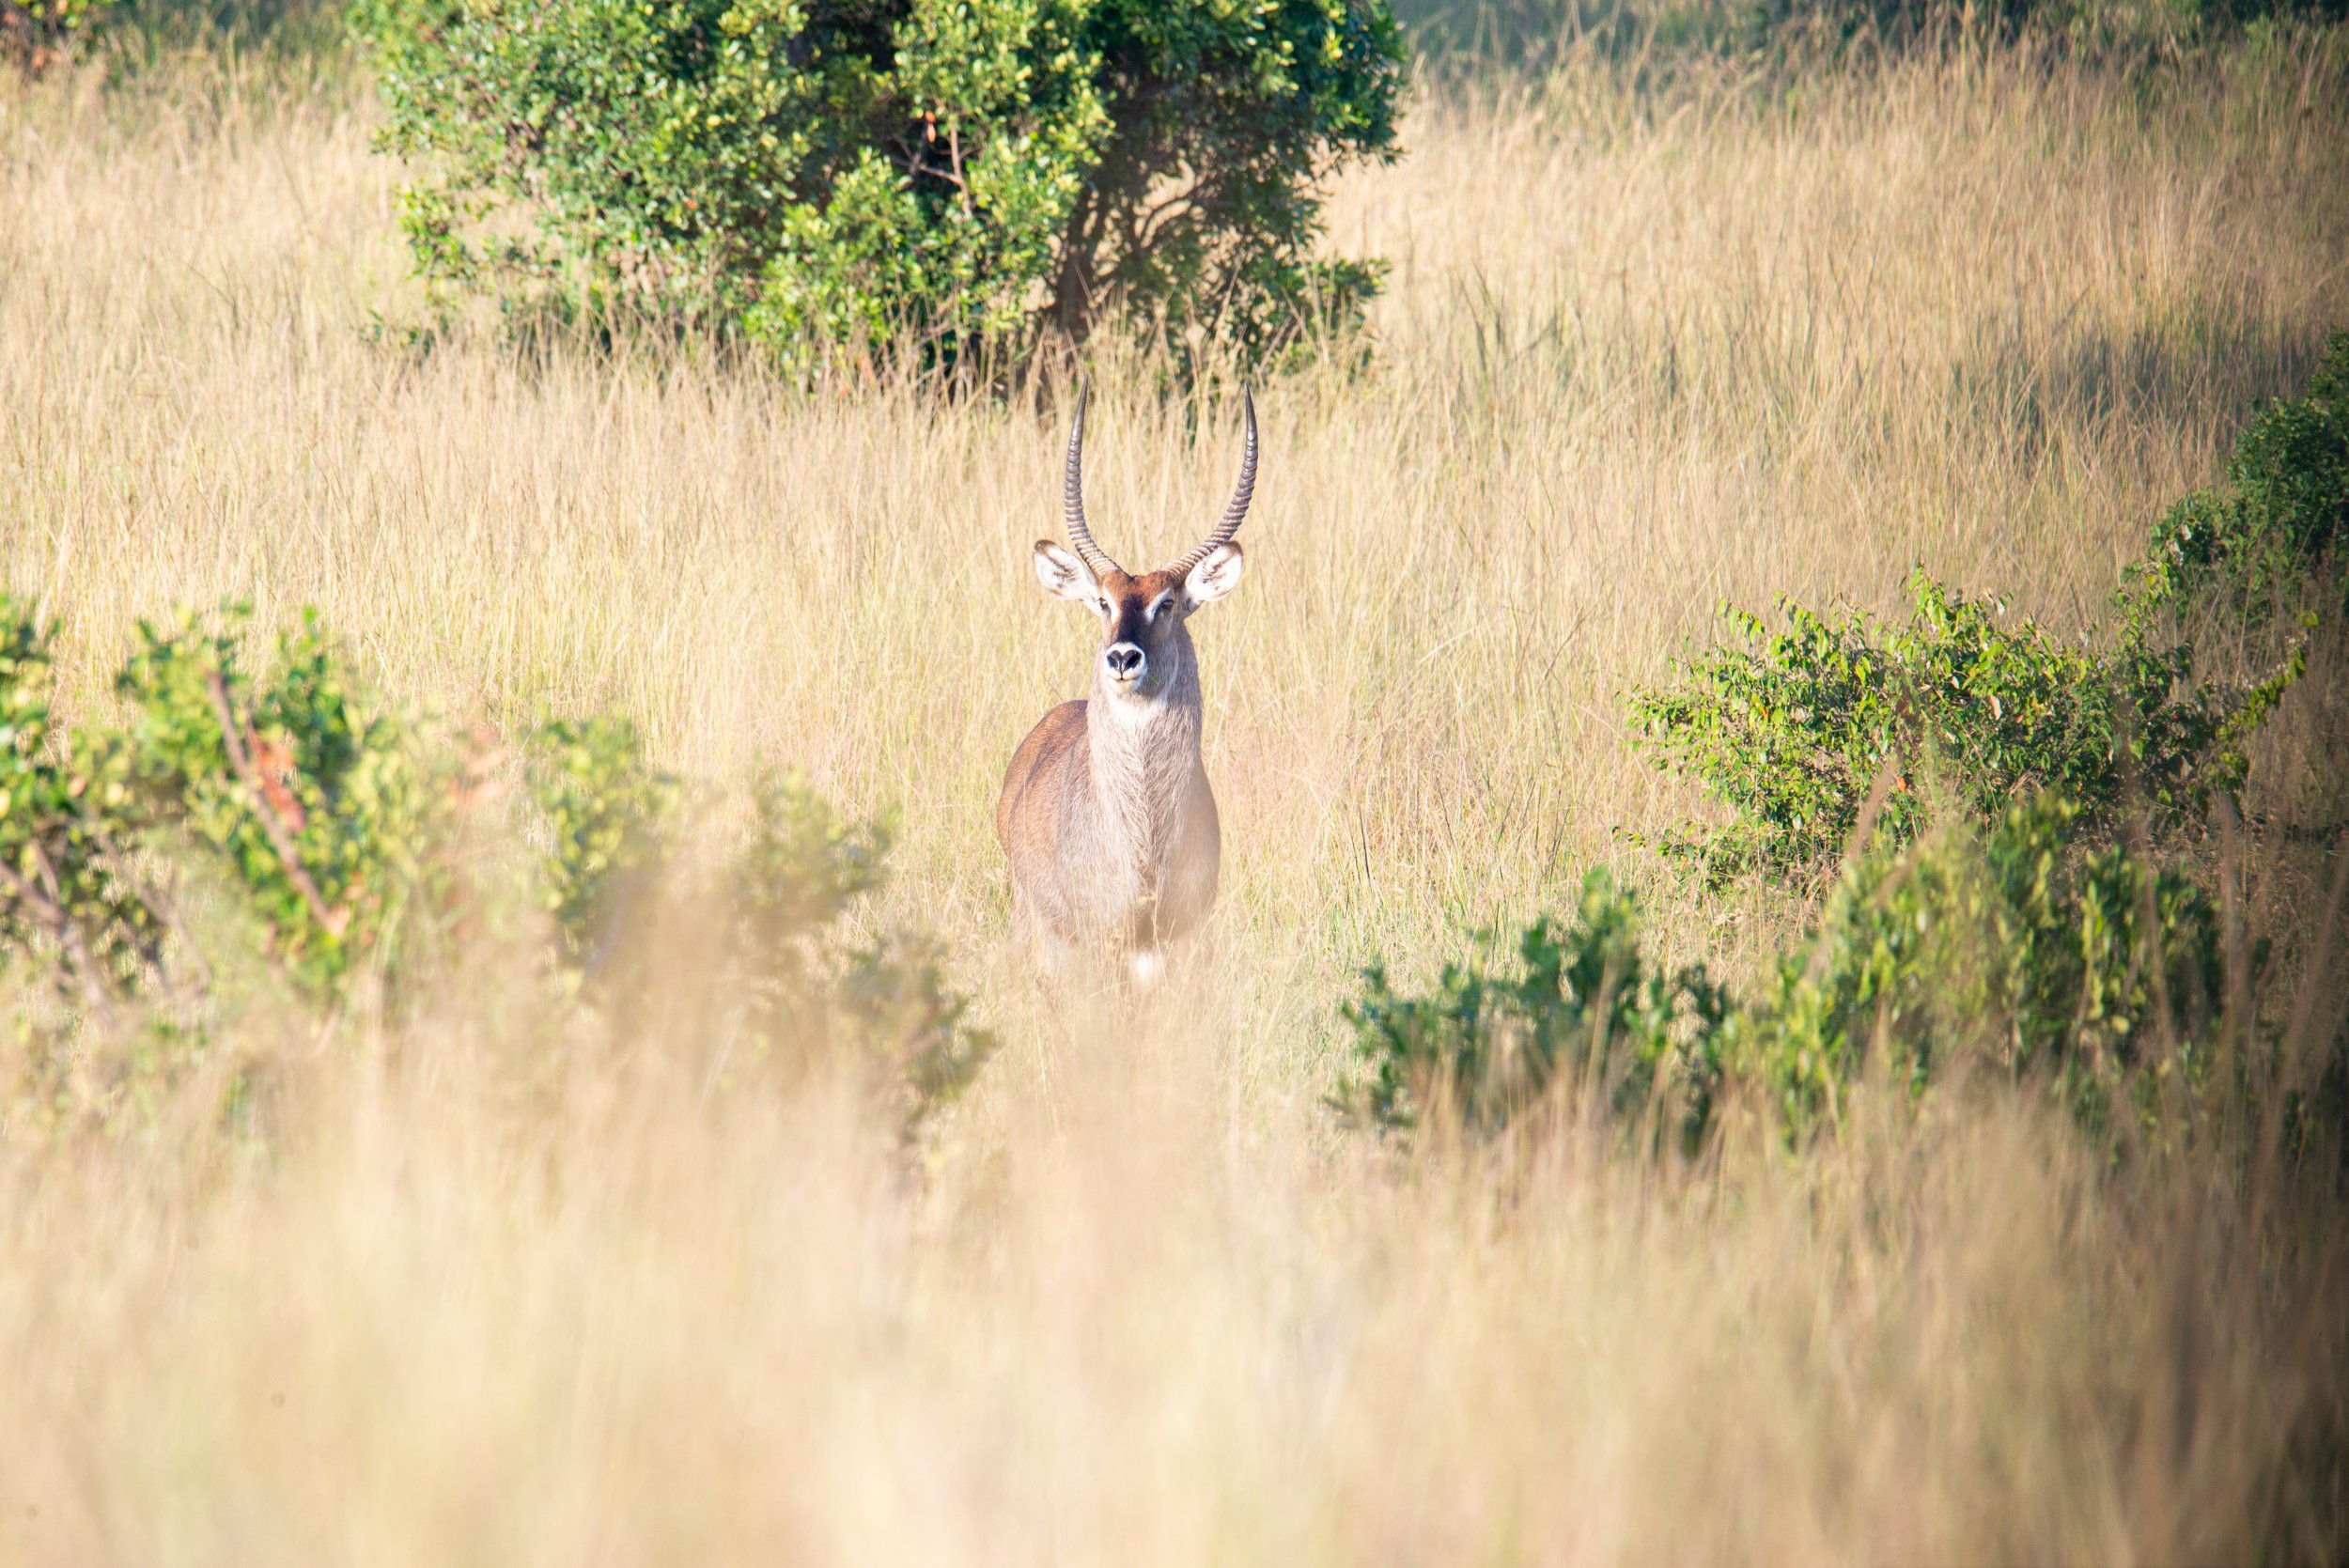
x=1141, y=617
x=1138, y=616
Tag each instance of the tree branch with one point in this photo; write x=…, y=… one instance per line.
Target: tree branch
x=954, y=150
x=158, y=902
x=331, y=921
x=51, y=912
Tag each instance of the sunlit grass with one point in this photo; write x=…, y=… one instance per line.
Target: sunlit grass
x=526, y=1296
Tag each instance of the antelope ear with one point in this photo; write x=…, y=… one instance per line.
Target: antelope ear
x=1212, y=577
x=1063, y=575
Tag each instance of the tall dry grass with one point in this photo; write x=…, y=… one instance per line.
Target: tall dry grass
x=500, y=1282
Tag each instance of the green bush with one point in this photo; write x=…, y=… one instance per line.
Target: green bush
x=803, y=864
x=960, y=176
x=2279, y=523
x=304, y=789
x=330, y=817
x=885, y=1000
x=1583, y=1010
x=1975, y=776
x=1792, y=730
x=312, y=791
x=777, y=974
x=607, y=815
x=2016, y=949
x=66, y=876
x=37, y=34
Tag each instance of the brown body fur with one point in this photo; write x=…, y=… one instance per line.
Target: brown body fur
x=1106, y=816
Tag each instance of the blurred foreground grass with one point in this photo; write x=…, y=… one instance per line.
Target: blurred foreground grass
x=504, y=1279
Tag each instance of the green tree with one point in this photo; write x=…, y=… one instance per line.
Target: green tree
x=960, y=175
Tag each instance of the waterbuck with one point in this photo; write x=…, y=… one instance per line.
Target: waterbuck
x=1106, y=816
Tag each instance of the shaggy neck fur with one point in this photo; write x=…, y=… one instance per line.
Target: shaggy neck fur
x=1144, y=750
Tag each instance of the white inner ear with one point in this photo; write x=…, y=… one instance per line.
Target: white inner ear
x=1063, y=575
x=1214, y=577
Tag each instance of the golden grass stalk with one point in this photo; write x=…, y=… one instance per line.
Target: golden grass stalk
x=505, y=1282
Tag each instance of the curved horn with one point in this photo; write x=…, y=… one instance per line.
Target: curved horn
x=1072, y=496
x=1240, y=495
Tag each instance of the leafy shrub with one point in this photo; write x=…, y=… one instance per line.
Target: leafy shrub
x=312, y=791
x=307, y=791
x=884, y=1001
x=329, y=813
x=37, y=34
x=903, y=1018
x=778, y=977
x=962, y=176
x=2014, y=947
x=1792, y=730
x=64, y=874
x=606, y=812
x=2017, y=932
x=803, y=864
x=1582, y=1009
x=2280, y=520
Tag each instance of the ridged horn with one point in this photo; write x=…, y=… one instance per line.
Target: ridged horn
x=1072, y=496
x=1237, y=510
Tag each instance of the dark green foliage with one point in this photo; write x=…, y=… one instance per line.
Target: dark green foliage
x=2281, y=520
x=1793, y=730
x=306, y=791
x=892, y=999
x=1582, y=1009
x=606, y=812
x=1976, y=778
x=803, y=864
x=959, y=175
x=775, y=966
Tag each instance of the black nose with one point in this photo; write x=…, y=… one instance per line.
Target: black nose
x=1125, y=659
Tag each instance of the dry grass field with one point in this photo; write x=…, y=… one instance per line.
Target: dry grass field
x=506, y=1282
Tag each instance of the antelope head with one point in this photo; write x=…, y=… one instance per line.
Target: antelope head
x=1143, y=648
